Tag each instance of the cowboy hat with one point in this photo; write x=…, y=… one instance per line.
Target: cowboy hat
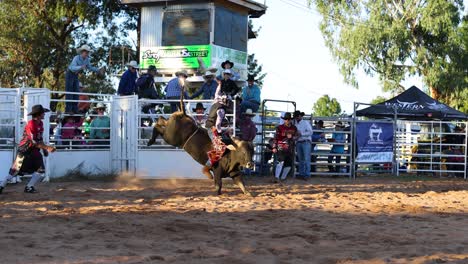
x=223, y=65
x=227, y=71
x=209, y=73
x=38, y=109
x=298, y=113
x=84, y=48
x=286, y=116
x=99, y=106
x=182, y=72
x=152, y=68
x=133, y=64
x=249, y=112
x=251, y=78
x=198, y=106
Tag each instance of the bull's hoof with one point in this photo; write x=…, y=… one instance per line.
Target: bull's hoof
x=248, y=194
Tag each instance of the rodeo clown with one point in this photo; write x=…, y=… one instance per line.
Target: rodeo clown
x=283, y=147
x=29, y=158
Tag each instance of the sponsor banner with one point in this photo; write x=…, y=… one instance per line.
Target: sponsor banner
x=374, y=142
x=175, y=57
x=221, y=54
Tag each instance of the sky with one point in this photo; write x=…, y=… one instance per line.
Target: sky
x=299, y=65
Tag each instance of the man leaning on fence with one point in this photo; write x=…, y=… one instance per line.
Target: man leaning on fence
x=303, y=144
x=127, y=84
x=79, y=64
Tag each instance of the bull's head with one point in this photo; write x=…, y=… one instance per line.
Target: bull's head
x=242, y=152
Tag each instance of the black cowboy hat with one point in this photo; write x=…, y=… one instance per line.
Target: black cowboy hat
x=298, y=113
x=223, y=65
x=286, y=116
x=38, y=109
x=198, y=106
x=152, y=68
x=251, y=78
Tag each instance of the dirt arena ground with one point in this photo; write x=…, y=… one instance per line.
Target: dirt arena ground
x=370, y=220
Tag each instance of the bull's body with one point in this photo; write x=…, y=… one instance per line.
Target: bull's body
x=181, y=131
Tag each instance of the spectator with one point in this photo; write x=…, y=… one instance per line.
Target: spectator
x=175, y=87
x=317, y=136
x=146, y=88
x=208, y=89
x=228, y=65
x=200, y=117
x=303, y=144
x=284, y=147
x=248, y=129
x=127, y=84
x=228, y=86
x=250, y=95
x=79, y=64
x=83, y=104
x=69, y=130
x=339, y=138
x=100, y=127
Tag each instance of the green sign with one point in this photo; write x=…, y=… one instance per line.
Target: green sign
x=175, y=57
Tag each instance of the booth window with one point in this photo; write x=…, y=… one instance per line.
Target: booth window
x=186, y=27
x=230, y=29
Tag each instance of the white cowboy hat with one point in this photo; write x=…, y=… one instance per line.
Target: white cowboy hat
x=84, y=47
x=209, y=73
x=99, y=106
x=133, y=64
x=227, y=71
x=249, y=112
x=181, y=72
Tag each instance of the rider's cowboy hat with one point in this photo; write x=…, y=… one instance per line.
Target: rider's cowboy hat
x=199, y=106
x=249, y=112
x=84, y=48
x=251, y=78
x=223, y=65
x=182, y=72
x=100, y=106
x=38, y=109
x=286, y=116
x=133, y=64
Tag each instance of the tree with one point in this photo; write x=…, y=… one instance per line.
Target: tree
x=253, y=67
x=379, y=99
x=39, y=37
x=398, y=39
x=326, y=106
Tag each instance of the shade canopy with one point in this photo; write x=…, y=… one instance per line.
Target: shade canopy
x=413, y=104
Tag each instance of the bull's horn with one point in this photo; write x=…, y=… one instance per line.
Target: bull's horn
x=231, y=147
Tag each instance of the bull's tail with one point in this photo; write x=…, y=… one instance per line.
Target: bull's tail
x=182, y=92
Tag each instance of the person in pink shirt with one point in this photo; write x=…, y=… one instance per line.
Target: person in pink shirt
x=69, y=130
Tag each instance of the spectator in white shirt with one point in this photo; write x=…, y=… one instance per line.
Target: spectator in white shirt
x=303, y=144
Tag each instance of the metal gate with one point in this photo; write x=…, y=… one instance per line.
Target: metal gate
x=124, y=139
x=31, y=97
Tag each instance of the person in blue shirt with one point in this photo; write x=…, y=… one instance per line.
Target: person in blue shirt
x=79, y=64
x=127, y=84
x=250, y=95
x=339, y=138
x=208, y=89
x=174, y=88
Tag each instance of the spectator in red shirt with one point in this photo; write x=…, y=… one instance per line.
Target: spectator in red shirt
x=69, y=131
x=29, y=158
x=247, y=126
x=284, y=147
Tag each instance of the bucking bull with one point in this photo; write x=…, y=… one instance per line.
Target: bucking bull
x=181, y=131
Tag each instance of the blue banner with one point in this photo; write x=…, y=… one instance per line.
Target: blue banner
x=374, y=142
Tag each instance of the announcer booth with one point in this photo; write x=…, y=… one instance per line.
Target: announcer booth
x=194, y=35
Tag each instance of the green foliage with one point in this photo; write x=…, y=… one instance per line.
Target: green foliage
x=397, y=39
x=39, y=37
x=378, y=100
x=326, y=106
